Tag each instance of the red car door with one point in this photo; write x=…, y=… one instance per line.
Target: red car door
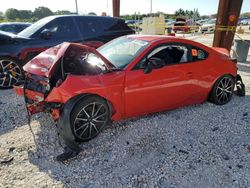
x=165, y=88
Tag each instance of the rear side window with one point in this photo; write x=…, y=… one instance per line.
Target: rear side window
x=198, y=54
x=62, y=28
x=90, y=26
x=115, y=25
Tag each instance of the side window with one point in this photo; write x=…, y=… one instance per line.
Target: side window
x=170, y=54
x=89, y=26
x=198, y=54
x=110, y=24
x=63, y=28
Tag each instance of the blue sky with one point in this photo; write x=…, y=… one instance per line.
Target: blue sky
x=127, y=6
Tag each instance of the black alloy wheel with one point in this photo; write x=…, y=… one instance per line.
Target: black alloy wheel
x=10, y=73
x=223, y=90
x=89, y=117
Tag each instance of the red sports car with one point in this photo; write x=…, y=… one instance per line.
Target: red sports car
x=84, y=89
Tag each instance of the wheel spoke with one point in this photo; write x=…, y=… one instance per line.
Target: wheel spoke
x=228, y=91
x=90, y=130
x=228, y=82
x=222, y=84
x=100, y=116
x=84, y=130
x=86, y=112
x=13, y=68
x=220, y=97
x=98, y=121
x=220, y=88
x=229, y=87
x=85, y=124
x=219, y=93
x=10, y=79
x=1, y=64
x=93, y=110
x=7, y=65
x=4, y=80
x=81, y=119
x=94, y=127
x=98, y=110
x=226, y=97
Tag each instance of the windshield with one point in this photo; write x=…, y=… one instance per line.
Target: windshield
x=29, y=31
x=120, y=52
x=211, y=22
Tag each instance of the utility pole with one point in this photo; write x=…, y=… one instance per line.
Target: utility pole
x=151, y=6
x=226, y=23
x=76, y=7
x=116, y=8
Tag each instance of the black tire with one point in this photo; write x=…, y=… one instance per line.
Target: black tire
x=10, y=73
x=222, y=91
x=88, y=118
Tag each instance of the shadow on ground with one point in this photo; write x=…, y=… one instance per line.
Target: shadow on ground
x=198, y=146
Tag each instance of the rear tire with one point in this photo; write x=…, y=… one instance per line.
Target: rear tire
x=10, y=73
x=88, y=118
x=223, y=90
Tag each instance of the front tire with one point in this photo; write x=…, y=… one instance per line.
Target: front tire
x=88, y=118
x=10, y=73
x=223, y=90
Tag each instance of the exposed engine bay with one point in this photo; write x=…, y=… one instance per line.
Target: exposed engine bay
x=74, y=60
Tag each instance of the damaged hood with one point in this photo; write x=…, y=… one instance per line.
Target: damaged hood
x=44, y=63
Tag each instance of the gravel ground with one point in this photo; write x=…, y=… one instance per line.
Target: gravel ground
x=197, y=146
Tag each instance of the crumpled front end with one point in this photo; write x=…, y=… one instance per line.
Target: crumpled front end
x=35, y=90
x=47, y=71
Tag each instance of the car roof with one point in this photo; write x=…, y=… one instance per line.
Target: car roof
x=155, y=38
x=84, y=16
x=165, y=38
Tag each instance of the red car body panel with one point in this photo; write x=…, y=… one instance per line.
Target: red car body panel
x=133, y=93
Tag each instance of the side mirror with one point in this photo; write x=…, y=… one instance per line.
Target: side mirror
x=148, y=67
x=46, y=34
x=153, y=63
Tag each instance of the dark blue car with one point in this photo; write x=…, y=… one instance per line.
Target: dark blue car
x=13, y=27
x=16, y=50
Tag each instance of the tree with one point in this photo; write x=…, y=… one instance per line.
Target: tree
x=12, y=14
x=187, y=13
x=42, y=12
x=25, y=14
x=245, y=15
x=1, y=15
x=180, y=12
x=63, y=12
x=92, y=14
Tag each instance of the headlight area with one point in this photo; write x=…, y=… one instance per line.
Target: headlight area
x=35, y=90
